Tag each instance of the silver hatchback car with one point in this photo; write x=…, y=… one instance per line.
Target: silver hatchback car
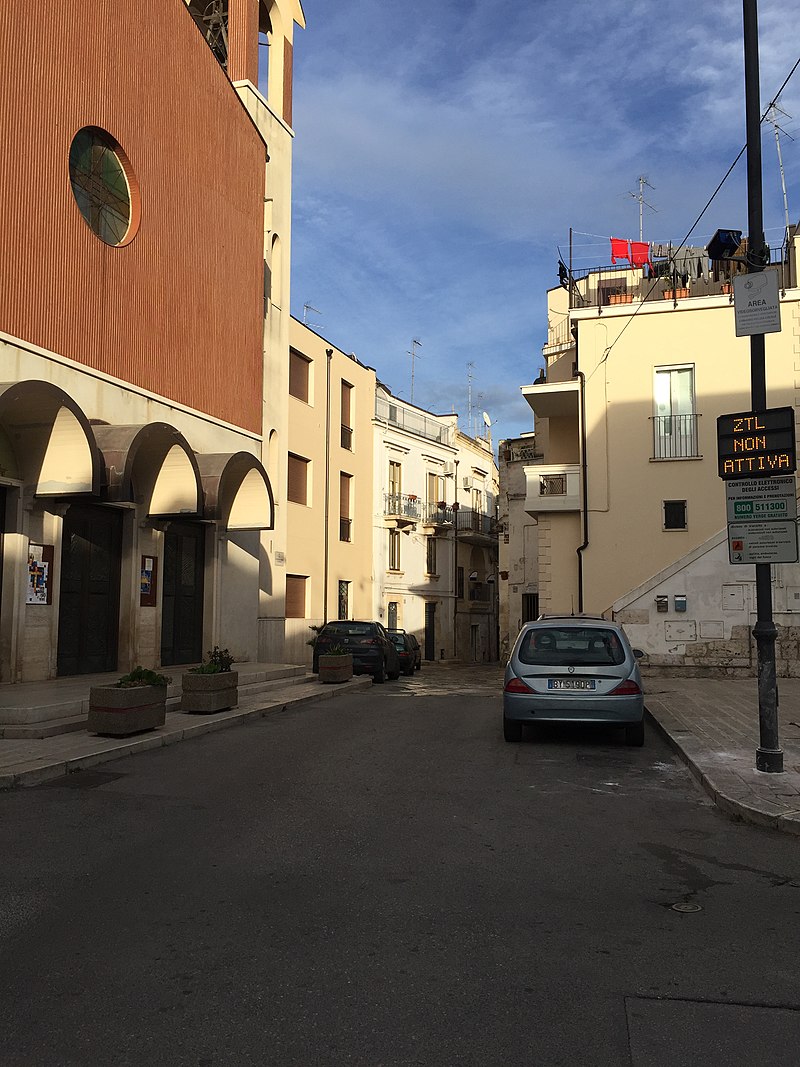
x=573, y=669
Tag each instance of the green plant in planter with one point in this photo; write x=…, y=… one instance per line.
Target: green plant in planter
x=140, y=676
x=337, y=650
x=313, y=640
x=219, y=661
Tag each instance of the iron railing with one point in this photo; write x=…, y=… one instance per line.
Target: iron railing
x=675, y=436
x=552, y=485
x=345, y=526
x=402, y=505
x=347, y=437
x=413, y=421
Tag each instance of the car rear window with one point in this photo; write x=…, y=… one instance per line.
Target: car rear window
x=349, y=629
x=399, y=640
x=571, y=646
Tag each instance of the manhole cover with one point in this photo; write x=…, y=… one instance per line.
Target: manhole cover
x=684, y=907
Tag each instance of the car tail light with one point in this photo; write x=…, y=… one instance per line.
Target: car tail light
x=628, y=688
x=516, y=685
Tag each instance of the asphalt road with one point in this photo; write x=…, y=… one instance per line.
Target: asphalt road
x=380, y=880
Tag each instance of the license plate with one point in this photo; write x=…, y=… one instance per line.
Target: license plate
x=571, y=683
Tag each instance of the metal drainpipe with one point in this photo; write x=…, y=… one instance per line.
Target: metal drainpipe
x=455, y=564
x=329, y=354
x=584, y=487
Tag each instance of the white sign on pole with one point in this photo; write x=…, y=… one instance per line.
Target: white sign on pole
x=761, y=499
x=756, y=306
x=762, y=542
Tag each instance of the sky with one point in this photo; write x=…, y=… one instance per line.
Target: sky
x=444, y=148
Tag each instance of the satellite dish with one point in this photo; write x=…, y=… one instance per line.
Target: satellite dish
x=486, y=419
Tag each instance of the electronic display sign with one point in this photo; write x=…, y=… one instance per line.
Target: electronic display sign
x=756, y=444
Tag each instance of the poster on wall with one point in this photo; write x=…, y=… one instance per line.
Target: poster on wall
x=40, y=574
x=147, y=582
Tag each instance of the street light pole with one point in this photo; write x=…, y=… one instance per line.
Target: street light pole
x=769, y=755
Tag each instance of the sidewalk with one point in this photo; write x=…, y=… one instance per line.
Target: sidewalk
x=713, y=725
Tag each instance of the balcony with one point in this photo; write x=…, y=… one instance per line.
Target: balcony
x=552, y=488
x=675, y=437
x=476, y=527
x=440, y=514
x=413, y=421
x=402, y=509
x=552, y=401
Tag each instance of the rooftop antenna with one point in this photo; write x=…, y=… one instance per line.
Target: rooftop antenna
x=470, y=376
x=306, y=308
x=771, y=116
x=415, y=344
x=639, y=198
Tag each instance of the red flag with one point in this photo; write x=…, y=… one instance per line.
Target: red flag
x=619, y=249
x=640, y=254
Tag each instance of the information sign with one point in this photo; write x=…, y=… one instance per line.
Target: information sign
x=761, y=499
x=756, y=305
x=756, y=443
x=762, y=542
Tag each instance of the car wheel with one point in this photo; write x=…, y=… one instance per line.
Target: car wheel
x=379, y=677
x=418, y=666
x=512, y=731
x=393, y=676
x=634, y=734
x=409, y=672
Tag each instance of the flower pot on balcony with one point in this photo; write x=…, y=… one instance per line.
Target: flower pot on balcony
x=621, y=298
x=334, y=669
x=117, y=712
x=204, y=694
x=675, y=294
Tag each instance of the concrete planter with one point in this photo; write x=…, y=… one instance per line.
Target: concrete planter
x=118, y=712
x=335, y=669
x=203, y=694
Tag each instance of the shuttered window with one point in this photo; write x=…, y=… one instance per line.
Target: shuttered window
x=345, y=522
x=295, y=596
x=298, y=375
x=297, y=488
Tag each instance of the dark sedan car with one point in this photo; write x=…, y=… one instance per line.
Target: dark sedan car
x=414, y=644
x=405, y=650
x=371, y=647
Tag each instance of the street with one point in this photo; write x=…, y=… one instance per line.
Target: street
x=379, y=880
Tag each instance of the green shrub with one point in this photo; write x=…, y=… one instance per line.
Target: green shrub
x=219, y=661
x=140, y=676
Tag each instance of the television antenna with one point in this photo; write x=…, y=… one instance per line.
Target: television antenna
x=771, y=116
x=415, y=344
x=639, y=198
x=309, y=307
x=470, y=378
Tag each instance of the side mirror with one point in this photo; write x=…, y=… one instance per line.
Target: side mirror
x=638, y=653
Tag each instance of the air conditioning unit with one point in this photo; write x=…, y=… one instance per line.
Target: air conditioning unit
x=449, y=469
x=466, y=481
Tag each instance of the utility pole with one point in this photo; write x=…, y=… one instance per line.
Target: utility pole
x=639, y=197
x=769, y=755
x=773, y=111
x=415, y=344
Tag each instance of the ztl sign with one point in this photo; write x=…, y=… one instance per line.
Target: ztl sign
x=756, y=443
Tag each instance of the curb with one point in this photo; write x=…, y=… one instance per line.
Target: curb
x=733, y=806
x=46, y=769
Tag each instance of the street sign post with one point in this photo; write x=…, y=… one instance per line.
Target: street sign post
x=774, y=541
x=761, y=499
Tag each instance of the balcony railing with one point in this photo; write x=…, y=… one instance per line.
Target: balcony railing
x=469, y=521
x=675, y=436
x=401, y=505
x=347, y=437
x=345, y=526
x=413, y=421
x=553, y=485
x=432, y=513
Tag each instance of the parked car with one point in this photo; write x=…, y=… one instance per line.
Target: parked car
x=414, y=645
x=370, y=645
x=573, y=669
x=405, y=650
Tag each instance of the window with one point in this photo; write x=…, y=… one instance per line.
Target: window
x=345, y=522
x=435, y=488
x=391, y=615
x=103, y=186
x=347, y=426
x=460, y=583
x=297, y=485
x=430, y=546
x=394, y=550
x=675, y=419
x=530, y=607
x=298, y=375
x=674, y=514
x=395, y=479
x=295, y=596
x=344, y=600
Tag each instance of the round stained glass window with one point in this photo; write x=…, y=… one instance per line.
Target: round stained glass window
x=100, y=175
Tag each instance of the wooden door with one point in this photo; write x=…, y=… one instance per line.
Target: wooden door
x=182, y=596
x=88, y=611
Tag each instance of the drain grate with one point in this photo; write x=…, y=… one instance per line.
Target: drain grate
x=686, y=907
x=84, y=780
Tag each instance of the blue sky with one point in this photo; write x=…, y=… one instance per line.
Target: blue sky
x=443, y=150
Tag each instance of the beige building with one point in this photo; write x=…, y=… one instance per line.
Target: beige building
x=435, y=542
x=630, y=509
x=327, y=564
x=519, y=540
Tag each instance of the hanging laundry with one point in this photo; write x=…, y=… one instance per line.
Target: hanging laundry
x=619, y=249
x=640, y=254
